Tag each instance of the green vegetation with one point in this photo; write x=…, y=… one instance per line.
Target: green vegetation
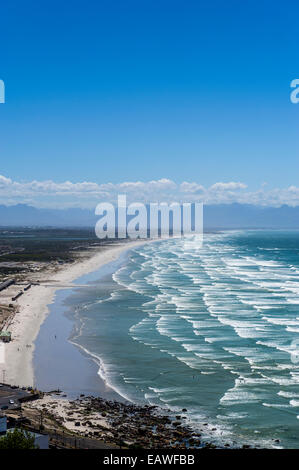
x=20, y=246
x=42, y=245
x=17, y=439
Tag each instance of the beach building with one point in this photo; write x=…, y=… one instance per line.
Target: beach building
x=40, y=440
x=5, y=336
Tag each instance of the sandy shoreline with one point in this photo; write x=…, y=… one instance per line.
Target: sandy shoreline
x=33, y=310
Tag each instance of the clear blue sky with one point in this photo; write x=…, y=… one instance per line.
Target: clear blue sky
x=139, y=90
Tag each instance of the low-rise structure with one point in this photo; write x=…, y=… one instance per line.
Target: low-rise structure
x=5, y=336
x=41, y=441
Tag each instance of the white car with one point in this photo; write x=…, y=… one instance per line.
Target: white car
x=11, y=402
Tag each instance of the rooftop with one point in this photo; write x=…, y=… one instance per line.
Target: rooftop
x=5, y=333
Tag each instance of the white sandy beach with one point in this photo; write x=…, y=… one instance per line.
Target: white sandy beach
x=33, y=309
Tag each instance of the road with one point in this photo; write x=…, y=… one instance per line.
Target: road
x=8, y=393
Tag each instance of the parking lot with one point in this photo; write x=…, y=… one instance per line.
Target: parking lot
x=9, y=394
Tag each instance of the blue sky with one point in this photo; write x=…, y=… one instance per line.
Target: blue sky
x=115, y=91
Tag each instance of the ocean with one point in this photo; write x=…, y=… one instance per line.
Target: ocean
x=213, y=330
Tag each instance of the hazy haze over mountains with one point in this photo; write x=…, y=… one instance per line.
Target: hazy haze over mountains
x=215, y=216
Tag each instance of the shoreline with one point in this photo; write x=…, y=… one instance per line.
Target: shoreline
x=57, y=339
x=114, y=424
x=62, y=282
x=33, y=309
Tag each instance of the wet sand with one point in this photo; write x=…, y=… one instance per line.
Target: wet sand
x=33, y=309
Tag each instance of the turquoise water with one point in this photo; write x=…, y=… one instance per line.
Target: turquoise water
x=212, y=329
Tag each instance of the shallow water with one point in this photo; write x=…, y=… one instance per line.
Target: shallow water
x=211, y=329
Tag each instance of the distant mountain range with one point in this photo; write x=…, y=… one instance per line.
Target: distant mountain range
x=22, y=215
x=222, y=216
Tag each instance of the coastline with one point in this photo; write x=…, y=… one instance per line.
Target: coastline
x=67, y=294
x=33, y=308
x=80, y=370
